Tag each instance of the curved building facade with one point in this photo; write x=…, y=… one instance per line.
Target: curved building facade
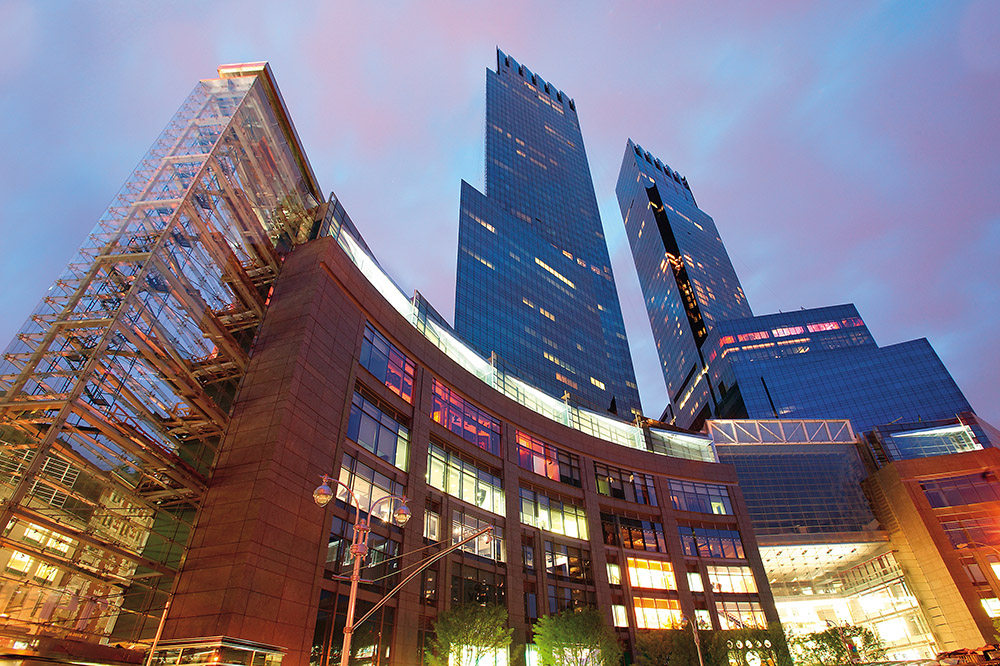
x=348, y=379
x=223, y=340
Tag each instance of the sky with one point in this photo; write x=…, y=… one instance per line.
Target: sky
x=848, y=151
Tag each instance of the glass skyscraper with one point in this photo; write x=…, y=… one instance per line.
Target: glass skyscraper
x=534, y=283
x=687, y=279
x=720, y=361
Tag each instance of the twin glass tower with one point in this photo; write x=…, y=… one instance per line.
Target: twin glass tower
x=535, y=291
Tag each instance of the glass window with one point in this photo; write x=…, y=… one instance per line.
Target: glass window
x=368, y=485
x=962, y=490
x=389, y=365
x=733, y=580
x=633, y=533
x=657, y=613
x=547, y=460
x=711, y=542
x=700, y=497
x=476, y=586
x=619, y=615
x=449, y=473
x=624, y=484
x=695, y=582
x=465, y=419
x=651, y=574
x=552, y=515
x=566, y=561
x=379, y=432
x=490, y=545
x=740, y=615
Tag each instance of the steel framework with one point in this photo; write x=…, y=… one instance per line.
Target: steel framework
x=116, y=392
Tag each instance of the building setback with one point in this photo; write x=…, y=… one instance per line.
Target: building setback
x=534, y=281
x=719, y=361
x=222, y=341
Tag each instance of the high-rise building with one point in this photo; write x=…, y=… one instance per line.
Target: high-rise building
x=719, y=361
x=222, y=342
x=117, y=392
x=534, y=283
x=826, y=558
x=687, y=279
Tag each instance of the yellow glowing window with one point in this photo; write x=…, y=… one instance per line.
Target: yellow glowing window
x=566, y=380
x=554, y=272
x=546, y=313
x=734, y=580
x=35, y=533
x=597, y=382
x=527, y=302
x=651, y=574
x=19, y=562
x=46, y=572
x=621, y=619
x=657, y=613
x=614, y=574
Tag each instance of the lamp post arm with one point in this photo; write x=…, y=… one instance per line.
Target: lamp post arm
x=357, y=503
x=389, y=498
x=426, y=563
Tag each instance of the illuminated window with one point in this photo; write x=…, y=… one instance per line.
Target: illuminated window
x=740, y=615
x=547, y=460
x=368, y=485
x=46, y=572
x=597, y=382
x=19, y=562
x=378, y=432
x=624, y=484
x=465, y=419
x=566, y=380
x=566, y=561
x=555, y=272
x=432, y=525
x=552, y=515
x=823, y=326
x=389, y=365
x=732, y=580
x=450, y=474
x=788, y=330
x=35, y=533
x=700, y=497
x=745, y=337
x=633, y=533
x=695, y=582
x=490, y=545
x=711, y=542
x=651, y=574
x=619, y=615
x=614, y=574
x=657, y=613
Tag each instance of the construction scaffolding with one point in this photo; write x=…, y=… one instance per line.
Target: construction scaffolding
x=115, y=394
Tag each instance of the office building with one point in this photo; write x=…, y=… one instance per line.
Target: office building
x=941, y=516
x=826, y=557
x=534, y=282
x=719, y=361
x=222, y=341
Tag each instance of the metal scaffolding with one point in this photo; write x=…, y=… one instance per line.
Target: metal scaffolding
x=116, y=392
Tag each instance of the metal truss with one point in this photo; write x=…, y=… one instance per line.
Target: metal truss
x=116, y=392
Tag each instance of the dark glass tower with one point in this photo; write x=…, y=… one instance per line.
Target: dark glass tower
x=534, y=278
x=720, y=361
x=687, y=279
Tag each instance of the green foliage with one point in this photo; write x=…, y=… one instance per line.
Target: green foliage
x=665, y=647
x=717, y=651
x=833, y=646
x=479, y=629
x=676, y=647
x=576, y=638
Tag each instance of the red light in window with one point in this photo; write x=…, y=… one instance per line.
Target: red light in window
x=757, y=335
x=824, y=326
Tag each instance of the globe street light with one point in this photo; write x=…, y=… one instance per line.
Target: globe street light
x=359, y=545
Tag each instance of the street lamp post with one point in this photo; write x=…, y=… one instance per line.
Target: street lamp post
x=359, y=545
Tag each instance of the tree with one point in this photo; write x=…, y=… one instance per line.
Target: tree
x=465, y=634
x=846, y=644
x=576, y=637
x=665, y=647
